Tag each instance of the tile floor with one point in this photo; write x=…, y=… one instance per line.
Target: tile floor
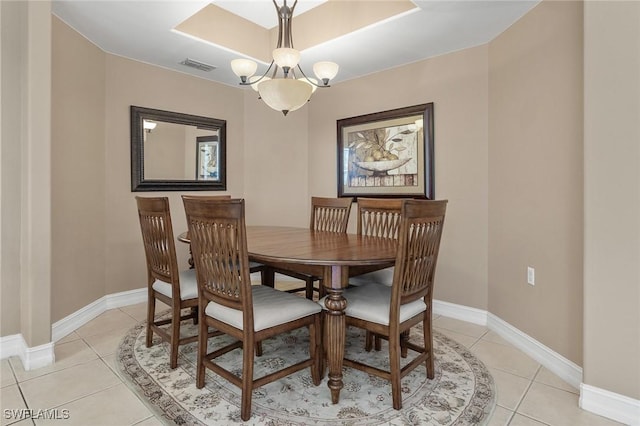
x=84, y=382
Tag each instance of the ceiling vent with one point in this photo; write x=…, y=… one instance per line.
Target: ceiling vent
x=198, y=65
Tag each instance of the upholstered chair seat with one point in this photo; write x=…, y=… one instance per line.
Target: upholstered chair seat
x=188, y=285
x=360, y=301
x=270, y=308
x=382, y=276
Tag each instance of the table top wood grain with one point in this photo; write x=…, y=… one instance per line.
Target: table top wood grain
x=304, y=246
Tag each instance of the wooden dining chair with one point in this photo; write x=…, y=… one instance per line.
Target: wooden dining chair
x=229, y=303
x=391, y=311
x=327, y=215
x=377, y=217
x=253, y=266
x=165, y=282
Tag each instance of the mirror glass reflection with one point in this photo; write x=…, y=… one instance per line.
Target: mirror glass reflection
x=175, y=152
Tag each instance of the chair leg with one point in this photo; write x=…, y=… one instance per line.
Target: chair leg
x=151, y=311
x=368, y=341
x=258, y=348
x=268, y=276
x=428, y=345
x=308, y=291
x=203, y=331
x=247, y=378
x=263, y=274
x=175, y=336
x=321, y=290
x=378, y=342
x=394, y=368
x=194, y=312
x=323, y=338
x=316, y=349
x=404, y=339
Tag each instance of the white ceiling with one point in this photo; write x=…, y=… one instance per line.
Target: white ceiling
x=141, y=30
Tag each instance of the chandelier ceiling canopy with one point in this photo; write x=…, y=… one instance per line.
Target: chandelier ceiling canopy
x=284, y=86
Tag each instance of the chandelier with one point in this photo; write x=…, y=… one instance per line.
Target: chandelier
x=290, y=88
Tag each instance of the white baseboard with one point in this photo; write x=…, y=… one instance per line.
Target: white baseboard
x=43, y=355
x=556, y=363
x=72, y=322
x=38, y=356
x=32, y=358
x=460, y=312
x=610, y=404
x=11, y=345
x=553, y=361
x=126, y=298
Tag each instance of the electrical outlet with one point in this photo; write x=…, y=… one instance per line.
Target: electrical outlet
x=531, y=275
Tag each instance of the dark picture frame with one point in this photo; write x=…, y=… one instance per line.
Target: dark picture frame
x=387, y=154
x=197, y=125
x=208, y=158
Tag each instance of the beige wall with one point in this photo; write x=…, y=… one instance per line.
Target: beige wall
x=78, y=171
x=26, y=159
x=275, y=165
x=457, y=85
x=535, y=176
x=133, y=83
x=612, y=197
x=13, y=43
x=96, y=231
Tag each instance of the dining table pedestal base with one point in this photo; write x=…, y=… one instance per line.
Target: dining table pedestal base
x=335, y=279
x=335, y=327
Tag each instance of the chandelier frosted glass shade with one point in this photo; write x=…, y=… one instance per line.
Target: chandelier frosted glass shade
x=325, y=70
x=256, y=80
x=284, y=94
x=244, y=68
x=285, y=57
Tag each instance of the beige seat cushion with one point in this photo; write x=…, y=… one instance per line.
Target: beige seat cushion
x=188, y=285
x=270, y=308
x=372, y=303
x=383, y=276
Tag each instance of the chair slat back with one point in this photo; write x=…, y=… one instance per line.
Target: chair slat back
x=157, y=237
x=330, y=214
x=418, y=247
x=219, y=248
x=379, y=217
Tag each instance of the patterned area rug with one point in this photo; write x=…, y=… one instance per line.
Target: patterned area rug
x=462, y=392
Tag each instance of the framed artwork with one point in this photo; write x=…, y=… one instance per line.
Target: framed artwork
x=387, y=154
x=208, y=158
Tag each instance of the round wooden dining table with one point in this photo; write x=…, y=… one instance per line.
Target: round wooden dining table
x=328, y=255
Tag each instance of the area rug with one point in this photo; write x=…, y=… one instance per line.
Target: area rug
x=462, y=392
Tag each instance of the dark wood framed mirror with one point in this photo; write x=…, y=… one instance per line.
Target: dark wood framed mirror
x=171, y=151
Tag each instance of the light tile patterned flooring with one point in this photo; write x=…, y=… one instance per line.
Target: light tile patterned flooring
x=84, y=382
